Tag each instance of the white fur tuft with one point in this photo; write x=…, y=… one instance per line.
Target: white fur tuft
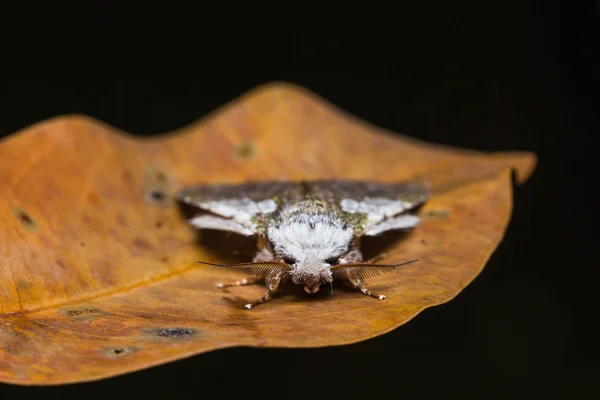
x=310, y=240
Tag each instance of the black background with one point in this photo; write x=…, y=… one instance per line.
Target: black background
x=489, y=75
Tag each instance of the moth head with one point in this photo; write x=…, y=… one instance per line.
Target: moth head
x=310, y=273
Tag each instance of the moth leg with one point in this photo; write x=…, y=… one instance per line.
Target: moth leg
x=358, y=284
x=242, y=282
x=272, y=285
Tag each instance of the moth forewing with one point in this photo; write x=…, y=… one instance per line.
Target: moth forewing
x=307, y=231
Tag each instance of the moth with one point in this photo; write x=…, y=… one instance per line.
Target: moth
x=308, y=231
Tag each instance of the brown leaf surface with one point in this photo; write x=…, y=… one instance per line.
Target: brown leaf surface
x=97, y=272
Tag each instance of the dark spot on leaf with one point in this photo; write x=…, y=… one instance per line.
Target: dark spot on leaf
x=121, y=220
x=175, y=332
x=143, y=315
x=127, y=177
x=23, y=286
x=435, y=214
x=114, y=233
x=25, y=219
x=156, y=175
x=245, y=150
x=159, y=224
x=115, y=352
x=157, y=197
x=61, y=264
x=83, y=313
x=93, y=198
x=82, y=244
x=142, y=243
x=157, y=186
x=161, y=177
x=423, y=242
x=165, y=259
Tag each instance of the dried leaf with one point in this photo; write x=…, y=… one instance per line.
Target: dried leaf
x=97, y=270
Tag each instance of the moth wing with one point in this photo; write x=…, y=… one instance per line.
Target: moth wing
x=236, y=207
x=385, y=206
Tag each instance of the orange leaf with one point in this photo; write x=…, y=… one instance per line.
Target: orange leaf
x=98, y=273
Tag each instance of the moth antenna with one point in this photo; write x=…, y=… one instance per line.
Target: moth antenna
x=405, y=262
x=256, y=268
x=213, y=264
x=363, y=271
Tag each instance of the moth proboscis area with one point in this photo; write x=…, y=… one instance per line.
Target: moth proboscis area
x=308, y=232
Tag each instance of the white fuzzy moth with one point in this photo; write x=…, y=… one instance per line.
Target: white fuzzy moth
x=308, y=232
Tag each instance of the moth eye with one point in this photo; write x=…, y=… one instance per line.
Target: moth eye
x=289, y=260
x=332, y=261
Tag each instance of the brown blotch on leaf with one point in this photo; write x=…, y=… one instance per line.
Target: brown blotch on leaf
x=93, y=199
x=142, y=243
x=86, y=219
x=434, y=214
x=122, y=220
x=83, y=313
x=127, y=177
x=25, y=219
x=160, y=177
x=157, y=175
x=246, y=150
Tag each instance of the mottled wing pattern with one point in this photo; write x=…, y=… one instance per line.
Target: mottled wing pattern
x=237, y=207
x=240, y=207
x=385, y=206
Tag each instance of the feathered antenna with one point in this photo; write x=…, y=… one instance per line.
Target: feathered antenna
x=363, y=271
x=260, y=268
